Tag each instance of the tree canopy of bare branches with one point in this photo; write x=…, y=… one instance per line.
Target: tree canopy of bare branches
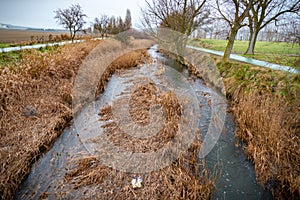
x=266, y=11
x=112, y=25
x=71, y=18
x=101, y=25
x=179, y=15
x=234, y=12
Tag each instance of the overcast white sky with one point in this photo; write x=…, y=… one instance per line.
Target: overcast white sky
x=39, y=13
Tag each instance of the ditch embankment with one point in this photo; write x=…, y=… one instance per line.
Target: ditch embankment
x=266, y=105
x=36, y=105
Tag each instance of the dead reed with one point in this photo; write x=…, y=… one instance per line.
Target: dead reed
x=36, y=105
x=181, y=180
x=185, y=178
x=133, y=59
x=266, y=104
x=140, y=103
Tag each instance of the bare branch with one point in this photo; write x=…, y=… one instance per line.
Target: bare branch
x=71, y=18
x=179, y=15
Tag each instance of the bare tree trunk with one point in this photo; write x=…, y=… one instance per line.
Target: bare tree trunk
x=230, y=43
x=71, y=34
x=252, y=42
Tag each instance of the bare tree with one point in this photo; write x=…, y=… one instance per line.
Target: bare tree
x=120, y=25
x=292, y=29
x=266, y=11
x=112, y=25
x=178, y=15
x=71, y=18
x=234, y=13
x=218, y=29
x=102, y=25
x=127, y=22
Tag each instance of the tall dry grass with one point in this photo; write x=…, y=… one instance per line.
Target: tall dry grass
x=181, y=180
x=266, y=104
x=36, y=105
x=185, y=178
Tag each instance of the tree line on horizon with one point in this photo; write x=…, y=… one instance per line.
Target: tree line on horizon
x=185, y=16
x=72, y=19
x=112, y=25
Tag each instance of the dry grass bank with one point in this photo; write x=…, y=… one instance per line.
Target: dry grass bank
x=36, y=105
x=266, y=104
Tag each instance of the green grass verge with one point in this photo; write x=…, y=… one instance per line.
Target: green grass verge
x=275, y=52
x=293, y=61
x=261, y=80
x=13, y=57
x=4, y=45
x=10, y=58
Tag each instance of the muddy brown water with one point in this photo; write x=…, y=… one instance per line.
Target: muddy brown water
x=237, y=177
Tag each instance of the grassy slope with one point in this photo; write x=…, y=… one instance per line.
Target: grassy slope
x=13, y=58
x=275, y=52
x=266, y=105
x=10, y=58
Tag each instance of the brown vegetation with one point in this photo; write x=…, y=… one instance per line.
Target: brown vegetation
x=123, y=62
x=140, y=103
x=185, y=178
x=266, y=105
x=36, y=105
